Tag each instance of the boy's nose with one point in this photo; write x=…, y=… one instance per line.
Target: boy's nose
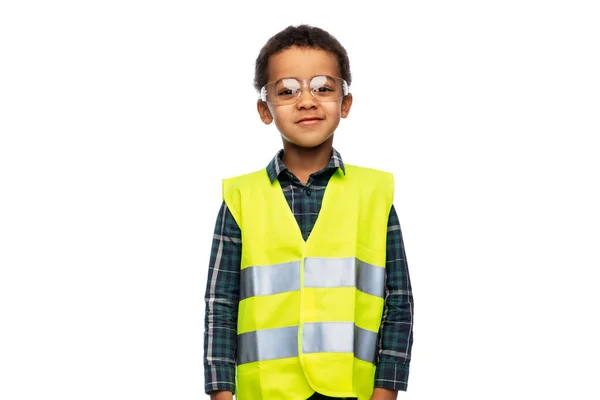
x=306, y=99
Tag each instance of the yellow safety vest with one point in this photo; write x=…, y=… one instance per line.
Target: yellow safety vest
x=310, y=311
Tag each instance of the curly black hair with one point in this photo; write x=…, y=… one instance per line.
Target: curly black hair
x=301, y=36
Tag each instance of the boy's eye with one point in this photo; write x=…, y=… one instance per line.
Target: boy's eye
x=288, y=87
x=287, y=92
x=322, y=89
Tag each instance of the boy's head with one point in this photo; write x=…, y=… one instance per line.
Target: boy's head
x=303, y=74
x=304, y=36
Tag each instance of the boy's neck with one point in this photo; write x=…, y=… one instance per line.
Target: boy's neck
x=303, y=162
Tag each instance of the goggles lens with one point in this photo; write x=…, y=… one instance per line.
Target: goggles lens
x=287, y=90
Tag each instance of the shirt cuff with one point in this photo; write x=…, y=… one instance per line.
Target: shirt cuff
x=219, y=377
x=391, y=375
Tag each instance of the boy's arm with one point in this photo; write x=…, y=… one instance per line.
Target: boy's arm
x=396, y=335
x=221, y=299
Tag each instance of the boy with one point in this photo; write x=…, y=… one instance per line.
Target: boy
x=301, y=307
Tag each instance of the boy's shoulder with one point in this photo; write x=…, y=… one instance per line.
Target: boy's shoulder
x=246, y=176
x=371, y=180
x=234, y=184
x=367, y=171
x=365, y=168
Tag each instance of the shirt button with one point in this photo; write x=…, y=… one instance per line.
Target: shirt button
x=308, y=192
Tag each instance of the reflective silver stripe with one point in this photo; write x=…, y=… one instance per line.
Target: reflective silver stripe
x=267, y=344
x=329, y=272
x=365, y=345
x=321, y=337
x=371, y=279
x=345, y=337
x=344, y=272
x=271, y=279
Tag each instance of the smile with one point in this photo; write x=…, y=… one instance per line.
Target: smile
x=312, y=121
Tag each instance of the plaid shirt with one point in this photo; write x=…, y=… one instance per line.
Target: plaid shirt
x=223, y=283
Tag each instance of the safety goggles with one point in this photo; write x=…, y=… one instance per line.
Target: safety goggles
x=287, y=91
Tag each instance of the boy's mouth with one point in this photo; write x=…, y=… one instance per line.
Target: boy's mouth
x=309, y=120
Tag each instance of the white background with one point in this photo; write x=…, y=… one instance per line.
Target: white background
x=118, y=120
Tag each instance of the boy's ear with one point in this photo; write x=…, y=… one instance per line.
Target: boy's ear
x=346, y=105
x=263, y=112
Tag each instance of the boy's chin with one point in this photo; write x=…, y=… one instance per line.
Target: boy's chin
x=306, y=140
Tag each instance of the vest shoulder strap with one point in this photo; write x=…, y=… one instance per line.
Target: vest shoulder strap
x=380, y=181
x=232, y=188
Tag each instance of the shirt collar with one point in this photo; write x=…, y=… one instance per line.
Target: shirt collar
x=276, y=166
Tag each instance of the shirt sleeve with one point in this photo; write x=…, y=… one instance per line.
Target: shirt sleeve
x=396, y=332
x=221, y=300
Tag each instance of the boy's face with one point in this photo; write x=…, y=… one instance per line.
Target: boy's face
x=307, y=123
